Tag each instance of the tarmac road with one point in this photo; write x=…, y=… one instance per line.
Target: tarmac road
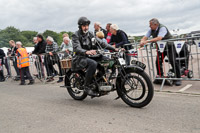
x=47, y=108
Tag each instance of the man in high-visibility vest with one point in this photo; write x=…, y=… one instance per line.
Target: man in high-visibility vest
x=23, y=64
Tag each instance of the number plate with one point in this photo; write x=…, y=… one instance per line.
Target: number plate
x=122, y=61
x=138, y=63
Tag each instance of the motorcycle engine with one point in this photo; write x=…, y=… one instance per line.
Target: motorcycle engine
x=105, y=88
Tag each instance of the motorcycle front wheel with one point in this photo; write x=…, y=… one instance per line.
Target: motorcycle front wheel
x=136, y=88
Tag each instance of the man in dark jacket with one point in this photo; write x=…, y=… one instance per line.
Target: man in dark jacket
x=2, y=55
x=84, y=48
x=118, y=39
x=40, y=49
x=41, y=45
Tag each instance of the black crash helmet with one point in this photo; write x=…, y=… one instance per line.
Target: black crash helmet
x=83, y=21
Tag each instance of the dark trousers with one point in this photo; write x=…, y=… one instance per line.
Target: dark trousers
x=90, y=70
x=25, y=71
x=39, y=66
x=6, y=65
x=170, y=52
x=1, y=76
x=92, y=65
x=49, y=62
x=1, y=70
x=15, y=66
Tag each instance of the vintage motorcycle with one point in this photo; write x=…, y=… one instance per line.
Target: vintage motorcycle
x=131, y=82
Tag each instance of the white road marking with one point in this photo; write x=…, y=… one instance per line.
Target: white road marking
x=185, y=88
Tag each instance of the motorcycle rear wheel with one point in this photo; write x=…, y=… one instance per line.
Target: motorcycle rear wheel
x=74, y=83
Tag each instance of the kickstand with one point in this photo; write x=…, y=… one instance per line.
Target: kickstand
x=92, y=97
x=117, y=98
x=63, y=86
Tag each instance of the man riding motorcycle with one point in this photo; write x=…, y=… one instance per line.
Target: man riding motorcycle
x=85, y=52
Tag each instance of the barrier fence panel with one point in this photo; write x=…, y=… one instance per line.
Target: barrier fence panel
x=46, y=67
x=171, y=60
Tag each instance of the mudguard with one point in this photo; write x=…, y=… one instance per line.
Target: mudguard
x=134, y=67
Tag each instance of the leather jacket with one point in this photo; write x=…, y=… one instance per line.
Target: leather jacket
x=83, y=42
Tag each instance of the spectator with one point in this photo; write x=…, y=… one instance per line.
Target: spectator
x=160, y=32
x=63, y=44
x=67, y=48
x=2, y=55
x=38, y=50
x=97, y=27
x=118, y=39
x=12, y=56
x=23, y=64
x=65, y=35
x=35, y=41
x=41, y=45
x=100, y=35
x=5, y=62
x=52, y=58
x=109, y=34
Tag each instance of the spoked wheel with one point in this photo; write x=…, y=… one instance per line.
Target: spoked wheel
x=74, y=84
x=134, y=87
x=137, y=89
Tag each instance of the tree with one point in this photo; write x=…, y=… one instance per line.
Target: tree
x=29, y=35
x=70, y=34
x=11, y=33
x=26, y=37
x=138, y=38
x=52, y=34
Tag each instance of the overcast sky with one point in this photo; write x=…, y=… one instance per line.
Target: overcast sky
x=132, y=16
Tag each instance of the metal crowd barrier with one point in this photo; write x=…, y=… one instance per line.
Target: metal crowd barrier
x=47, y=66
x=176, y=55
x=42, y=66
x=183, y=51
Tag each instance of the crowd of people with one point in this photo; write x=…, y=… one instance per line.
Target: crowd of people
x=20, y=58
x=80, y=46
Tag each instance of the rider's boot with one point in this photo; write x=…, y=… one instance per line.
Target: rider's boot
x=90, y=92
